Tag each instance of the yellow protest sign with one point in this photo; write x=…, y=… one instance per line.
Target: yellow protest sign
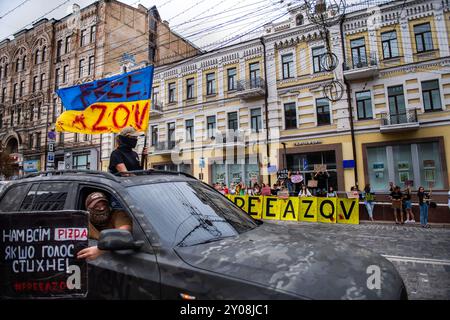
x=308, y=209
x=326, y=208
x=348, y=211
x=254, y=206
x=240, y=201
x=271, y=208
x=289, y=209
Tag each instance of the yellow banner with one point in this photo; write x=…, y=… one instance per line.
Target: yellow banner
x=289, y=209
x=308, y=209
x=327, y=210
x=106, y=117
x=348, y=211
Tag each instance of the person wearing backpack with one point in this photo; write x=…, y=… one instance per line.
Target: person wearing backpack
x=369, y=200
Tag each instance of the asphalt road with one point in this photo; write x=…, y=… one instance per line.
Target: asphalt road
x=422, y=256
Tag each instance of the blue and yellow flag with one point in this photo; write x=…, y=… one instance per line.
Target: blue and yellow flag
x=107, y=105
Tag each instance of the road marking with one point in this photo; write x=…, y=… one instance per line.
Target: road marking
x=418, y=260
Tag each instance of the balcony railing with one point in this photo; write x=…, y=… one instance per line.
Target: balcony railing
x=156, y=109
x=251, y=88
x=164, y=145
x=399, y=121
x=367, y=68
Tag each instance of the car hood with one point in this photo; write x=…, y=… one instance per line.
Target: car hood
x=298, y=263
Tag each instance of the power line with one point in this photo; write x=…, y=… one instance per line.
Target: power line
x=12, y=10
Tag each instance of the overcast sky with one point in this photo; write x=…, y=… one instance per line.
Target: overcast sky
x=223, y=20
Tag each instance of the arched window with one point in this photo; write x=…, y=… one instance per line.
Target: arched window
x=299, y=20
x=24, y=62
x=36, y=56
x=44, y=53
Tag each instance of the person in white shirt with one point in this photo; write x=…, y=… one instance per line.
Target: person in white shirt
x=304, y=192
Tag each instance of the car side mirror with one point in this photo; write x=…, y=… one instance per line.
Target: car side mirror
x=117, y=239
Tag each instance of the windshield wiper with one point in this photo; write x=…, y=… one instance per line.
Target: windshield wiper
x=202, y=223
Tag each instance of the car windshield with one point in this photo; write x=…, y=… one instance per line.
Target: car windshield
x=189, y=213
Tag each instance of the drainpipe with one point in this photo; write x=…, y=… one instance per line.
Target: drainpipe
x=266, y=95
x=349, y=103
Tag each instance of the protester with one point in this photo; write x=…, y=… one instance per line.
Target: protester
x=102, y=217
x=304, y=192
x=396, y=198
x=369, y=199
x=256, y=189
x=322, y=182
x=232, y=188
x=266, y=191
x=408, y=205
x=424, y=201
x=331, y=193
x=275, y=189
x=123, y=158
x=225, y=189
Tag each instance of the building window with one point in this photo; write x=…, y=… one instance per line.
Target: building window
x=171, y=135
x=1, y=120
x=14, y=93
x=255, y=75
x=397, y=107
x=3, y=95
x=38, y=140
x=87, y=137
x=323, y=111
x=211, y=126
x=58, y=49
x=190, y=88
x=6, y=70
x=431, y=95
x=172, y=91
x=93, y=31
x=290, y=116
x=65, y=74
x=364, y=105
x=39, y=111
x=19, y=113
x=35, y=79
x=41, y=83
x=67, y=49
x=22, y=88
x=36, y=56
x=358, y=47
x=91, y=65
x=44, y=53
x=76, y=137
x=287, y=61
x=155, y=96
x=389, y=44
x=190, y=130
x=299, y=20
x=255, y=120
x=154, y=135
x=57, y=78
x=81, y=68
x=11, y=119
x=317, y=56
x=32, y=113
x=210, y=83
x=24, y=63
x=424, y=40
x=233, y=121
x=83, y=38
x=231, y=76
x=81, y=162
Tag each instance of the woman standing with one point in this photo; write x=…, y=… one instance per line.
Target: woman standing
x=369, y=199
x=408, y=205
x=396, y=198
x=423, y=204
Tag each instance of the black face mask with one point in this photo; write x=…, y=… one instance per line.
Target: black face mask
x=128, y=142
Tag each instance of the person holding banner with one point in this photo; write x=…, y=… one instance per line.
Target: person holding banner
x=123, y=158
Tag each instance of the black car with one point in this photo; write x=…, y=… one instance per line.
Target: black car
x=191, y=241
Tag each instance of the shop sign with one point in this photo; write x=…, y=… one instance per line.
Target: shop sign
x=31, y=166
x=303, y=143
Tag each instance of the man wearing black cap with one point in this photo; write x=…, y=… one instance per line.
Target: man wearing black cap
x=102, y=217
x=123, y=158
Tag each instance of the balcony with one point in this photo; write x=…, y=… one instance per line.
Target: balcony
x=361, y=70
x=156, y=109
x=251, y=88
x=405, y=121
x=162, y=147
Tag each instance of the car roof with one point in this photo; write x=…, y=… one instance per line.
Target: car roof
x=132, y=178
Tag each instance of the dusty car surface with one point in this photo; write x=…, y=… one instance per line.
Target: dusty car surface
x=190, y=240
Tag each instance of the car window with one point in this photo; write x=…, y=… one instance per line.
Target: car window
x=189, y=213
x=46, y=197
x=13, y=198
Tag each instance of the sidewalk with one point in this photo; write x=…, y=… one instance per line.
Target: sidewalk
x=407, y=225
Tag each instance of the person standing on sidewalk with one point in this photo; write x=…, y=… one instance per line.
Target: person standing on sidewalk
x=396, y=198
x=369, y=199
x=408, y=205
x=423, y=204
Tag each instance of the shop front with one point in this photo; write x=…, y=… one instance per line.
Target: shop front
x=228, y=173
x=419, y=162
x=317, y=165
